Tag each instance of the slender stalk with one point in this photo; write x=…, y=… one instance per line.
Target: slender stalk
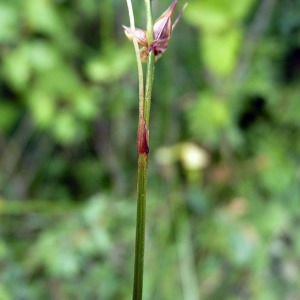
x=162, y=37
x=138, y=58
x=142, y=177
x=140, y=227
x=142, y=146
x=150, y=63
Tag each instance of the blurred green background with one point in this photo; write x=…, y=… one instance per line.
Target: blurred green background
x=223, y=206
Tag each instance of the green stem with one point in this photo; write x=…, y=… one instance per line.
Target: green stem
x=138, y=59
x=140, y=227
x=143, y=170
x=150, y=64
x=148, y=89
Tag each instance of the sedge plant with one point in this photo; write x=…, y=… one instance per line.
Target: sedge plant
x=153, y=42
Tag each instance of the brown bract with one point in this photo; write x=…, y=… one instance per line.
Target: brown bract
x=162, y=30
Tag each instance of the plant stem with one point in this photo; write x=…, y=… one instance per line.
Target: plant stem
x=144, y=117
x=140, y=227
x=150, y=63
x=138, y=58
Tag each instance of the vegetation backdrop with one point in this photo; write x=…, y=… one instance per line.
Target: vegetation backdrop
x=223, y=207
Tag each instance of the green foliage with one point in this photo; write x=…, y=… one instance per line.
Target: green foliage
x=208, y=117
x=220, y=24
x=74, y=253
x=228, y=85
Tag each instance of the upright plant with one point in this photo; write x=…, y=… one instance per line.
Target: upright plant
x=154, y=42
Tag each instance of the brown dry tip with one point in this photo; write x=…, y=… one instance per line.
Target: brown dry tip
x=142, y=143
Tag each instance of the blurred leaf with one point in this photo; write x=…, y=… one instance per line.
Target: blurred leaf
x=208, y=117
x=62, y=81
x=42, y=56
x=278, y=175
x=220, y=51
x=86, y=105
x=16, y=68
x=242, y=243
x=66, y=128
x=43, y=16
x=273, y=220
x=207, y=18
x=9, y=115
x=4, y=295
x=217, y=15
x=43, y=108
x=222, y=34
x=110, y=67
x=8, y=23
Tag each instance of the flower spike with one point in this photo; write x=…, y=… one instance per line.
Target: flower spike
x=139, y=34
x=162, y=29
